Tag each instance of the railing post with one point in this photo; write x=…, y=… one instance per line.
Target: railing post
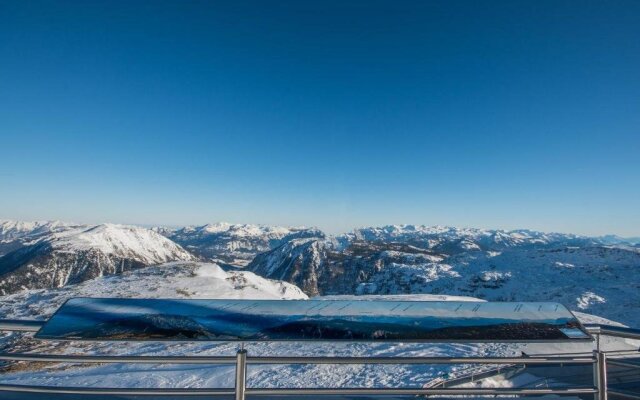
x=241, y=374
x=600, y=374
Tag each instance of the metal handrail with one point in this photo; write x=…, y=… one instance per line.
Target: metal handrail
x=615, y=331
x=116, y=391
x=303, y=391
x=621, y=363
x=117, y=359
x=15, y=325
x=241, y=360
x=624, y=394
x=291, y=360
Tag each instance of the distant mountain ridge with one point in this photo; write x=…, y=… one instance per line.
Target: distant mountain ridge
x=15, y=234
x=235, y=244
x=447, y=239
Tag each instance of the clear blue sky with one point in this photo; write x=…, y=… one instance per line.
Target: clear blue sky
x=514, y=114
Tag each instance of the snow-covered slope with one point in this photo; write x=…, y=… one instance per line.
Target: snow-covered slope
x=172, y=280
x=123, y=241
x=235, y=244
x=75, y=255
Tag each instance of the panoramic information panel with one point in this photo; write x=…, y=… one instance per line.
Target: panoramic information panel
x=300, y=320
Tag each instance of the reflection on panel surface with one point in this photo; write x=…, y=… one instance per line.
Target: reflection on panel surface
x=255, y=320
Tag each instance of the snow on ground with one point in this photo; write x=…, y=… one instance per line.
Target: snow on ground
x=200, y=280
x=599, y=280
x=171, y=280
x=131, y=375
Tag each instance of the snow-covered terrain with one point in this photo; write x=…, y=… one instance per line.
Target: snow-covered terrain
x=201, y=280
x=51, y=262
x=596, y=275
x=123, y=241
x=206, y=280
x=172, y=280
x=73, y=255
x=582, y=273
x=234, y=244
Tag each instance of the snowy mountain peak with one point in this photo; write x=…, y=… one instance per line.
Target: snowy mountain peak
x=77, y=254
x=235, y=244
x=132, y=242
x=241, y=230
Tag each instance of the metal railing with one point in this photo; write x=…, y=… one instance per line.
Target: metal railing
x=620, y=332
x=598, y=360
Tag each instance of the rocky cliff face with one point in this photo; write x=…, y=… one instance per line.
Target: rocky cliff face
x=325, y=267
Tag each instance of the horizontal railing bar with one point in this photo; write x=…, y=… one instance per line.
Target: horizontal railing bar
x=627, y=395
x=115, y=391
x=291, y=360
x=622, y=363
x=118, y=359
x=15, y=325
x=419, y=360
x=623, y=335
x=610, y=353
x=614, y=353
x=301, y=391
x=617, y=331
x=416, y=391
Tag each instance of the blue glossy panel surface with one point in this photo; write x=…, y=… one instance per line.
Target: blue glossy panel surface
x=301, y=320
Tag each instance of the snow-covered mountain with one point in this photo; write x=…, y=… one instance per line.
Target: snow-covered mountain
x=615, y=239
x=582, y=273
x=451, y=240
x=77, y=254
x=598, y=275
x=234, y=244
x=15, y=234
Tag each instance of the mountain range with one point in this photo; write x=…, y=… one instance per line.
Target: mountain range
x=597, y=275
x=234, y=244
